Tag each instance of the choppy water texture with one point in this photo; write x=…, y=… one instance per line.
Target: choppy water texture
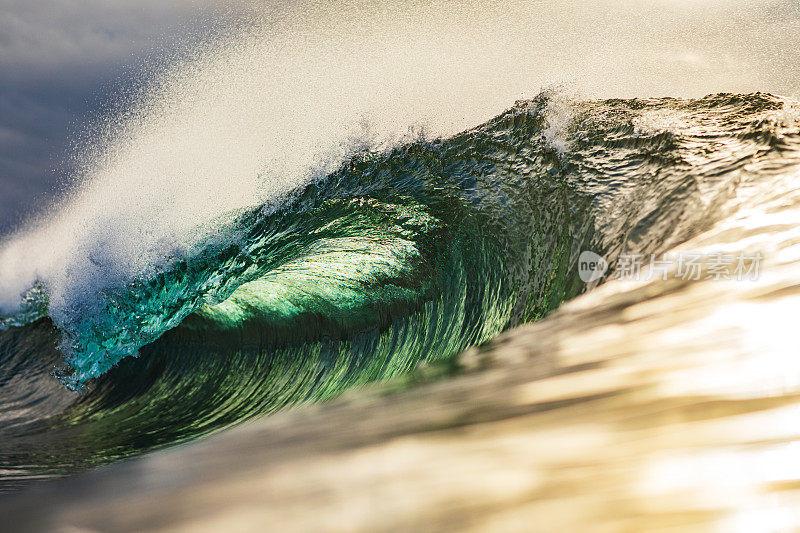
x=399, y=257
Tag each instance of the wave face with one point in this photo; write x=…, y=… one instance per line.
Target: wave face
x=398, y=257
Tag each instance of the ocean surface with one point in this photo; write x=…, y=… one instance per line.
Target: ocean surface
x=397, y=256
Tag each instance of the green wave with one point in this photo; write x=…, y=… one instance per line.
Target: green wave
x=456, y=221
x=397, y=258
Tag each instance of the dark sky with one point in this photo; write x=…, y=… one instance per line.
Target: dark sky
x=62, y=64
